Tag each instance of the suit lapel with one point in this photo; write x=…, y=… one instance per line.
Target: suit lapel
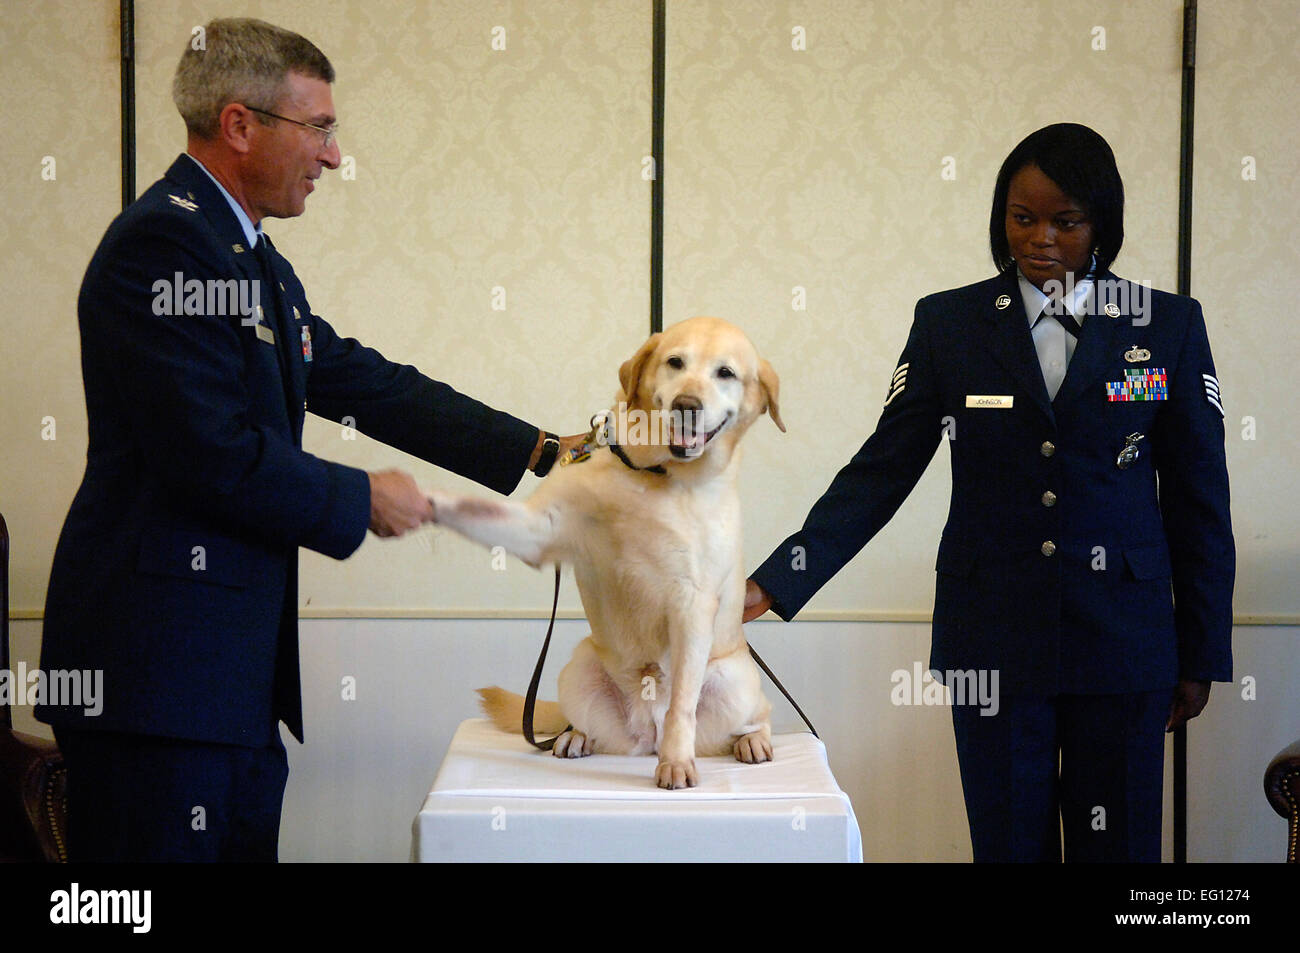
x=289, y=343
x=1010, y=341
x=193, y=184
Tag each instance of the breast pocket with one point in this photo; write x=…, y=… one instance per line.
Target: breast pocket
x=1138, y=390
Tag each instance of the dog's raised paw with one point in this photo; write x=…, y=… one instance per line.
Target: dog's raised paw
x=753, y=748
x=572, y=744
x=674, y=775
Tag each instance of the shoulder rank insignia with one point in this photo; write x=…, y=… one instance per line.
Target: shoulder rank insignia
x=1212, y=393
x=1136, y=355
x=897, y=384
x=183, y=203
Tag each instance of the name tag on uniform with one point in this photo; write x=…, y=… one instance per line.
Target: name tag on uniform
x=265, y=334
x=988, y=400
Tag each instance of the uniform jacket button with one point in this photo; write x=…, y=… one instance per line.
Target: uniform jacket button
x=1047, y=449
x=1049, y=498
x=1048, y=548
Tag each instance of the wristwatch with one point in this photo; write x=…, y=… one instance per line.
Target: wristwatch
x=550, y=450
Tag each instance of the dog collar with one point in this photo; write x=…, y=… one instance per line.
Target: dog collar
x=619, y=452
x=601, y=433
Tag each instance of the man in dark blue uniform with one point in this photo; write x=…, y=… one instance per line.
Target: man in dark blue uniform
x=1088, y=556
x=176, y=571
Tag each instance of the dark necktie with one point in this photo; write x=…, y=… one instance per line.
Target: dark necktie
x=1057, y=311
x=263, y=252
x=274, y=319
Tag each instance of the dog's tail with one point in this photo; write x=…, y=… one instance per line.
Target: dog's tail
x=506, y=709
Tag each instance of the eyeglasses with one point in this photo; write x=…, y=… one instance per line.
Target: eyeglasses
x=329, y=132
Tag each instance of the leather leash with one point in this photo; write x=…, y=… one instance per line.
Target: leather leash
x=530, y=700
x=777, y=682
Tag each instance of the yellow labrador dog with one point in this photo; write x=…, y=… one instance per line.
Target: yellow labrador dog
x=651, y=525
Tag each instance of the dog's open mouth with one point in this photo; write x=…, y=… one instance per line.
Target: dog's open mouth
x=685, y=441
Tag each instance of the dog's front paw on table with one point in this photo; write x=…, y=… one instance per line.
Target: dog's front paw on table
x=572, y=744
x=674, y=775
x=753, y=748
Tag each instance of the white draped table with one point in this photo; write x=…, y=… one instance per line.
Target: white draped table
x=496, y=798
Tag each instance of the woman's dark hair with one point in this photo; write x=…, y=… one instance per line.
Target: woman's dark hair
x=1080, y=162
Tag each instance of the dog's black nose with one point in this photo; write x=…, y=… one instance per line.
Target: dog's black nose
x=687, y=404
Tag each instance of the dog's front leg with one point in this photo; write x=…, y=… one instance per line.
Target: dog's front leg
x=690, y=637
x=524, y=532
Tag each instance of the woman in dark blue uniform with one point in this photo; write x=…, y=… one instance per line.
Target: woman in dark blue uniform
x=1087, y=562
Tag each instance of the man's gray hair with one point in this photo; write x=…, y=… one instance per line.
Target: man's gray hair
x=240, y=61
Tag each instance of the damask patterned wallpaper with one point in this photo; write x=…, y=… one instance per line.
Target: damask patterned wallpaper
x=489, y=226
x=828, y=162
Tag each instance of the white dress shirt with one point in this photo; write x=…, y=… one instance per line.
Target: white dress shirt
x=1054, y=344
x=251, y=232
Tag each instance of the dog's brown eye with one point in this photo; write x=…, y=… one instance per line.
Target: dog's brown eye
x=675, y=362
x=726, y=372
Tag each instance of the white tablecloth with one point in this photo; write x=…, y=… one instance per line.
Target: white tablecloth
x=496, y=798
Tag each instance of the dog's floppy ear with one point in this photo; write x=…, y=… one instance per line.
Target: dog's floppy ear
x=771, y=390
x=629, y=375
